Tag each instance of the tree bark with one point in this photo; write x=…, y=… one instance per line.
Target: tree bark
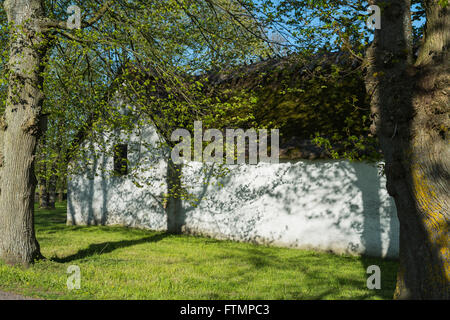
x=2, y=132
x=22, y=127
x=410, y=109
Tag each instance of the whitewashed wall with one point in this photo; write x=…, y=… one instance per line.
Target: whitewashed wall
x=326, y=205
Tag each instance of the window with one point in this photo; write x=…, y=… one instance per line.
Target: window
x=120, y=159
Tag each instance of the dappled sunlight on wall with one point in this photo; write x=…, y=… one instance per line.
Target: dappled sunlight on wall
x=333, y=205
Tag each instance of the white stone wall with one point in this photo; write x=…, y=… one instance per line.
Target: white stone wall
x=339, y=206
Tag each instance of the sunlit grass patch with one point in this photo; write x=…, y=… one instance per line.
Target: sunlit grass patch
x=123, y=263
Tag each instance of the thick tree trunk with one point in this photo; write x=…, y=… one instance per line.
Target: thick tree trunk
x=18, y=244
x=410, y=107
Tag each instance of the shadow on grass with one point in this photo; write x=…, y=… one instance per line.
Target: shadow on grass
x=50, y=220
x=106, y=247
x=316, y=271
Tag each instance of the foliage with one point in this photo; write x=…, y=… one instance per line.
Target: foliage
x=164, y=57
x=85, y=67
x=320, y=97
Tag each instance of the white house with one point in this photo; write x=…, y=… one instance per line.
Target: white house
x=331, y=205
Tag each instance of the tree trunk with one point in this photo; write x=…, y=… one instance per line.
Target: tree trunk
x=61, y=191
x=2, y=132
x=174, y=206
x=410, y=109
x=52, y=189
x=42, y=184
x=43, y=194
x=27, y=49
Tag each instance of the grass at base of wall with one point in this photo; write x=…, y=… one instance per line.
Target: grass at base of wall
x=124, y=263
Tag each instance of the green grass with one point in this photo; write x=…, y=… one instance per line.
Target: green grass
x=123, y=263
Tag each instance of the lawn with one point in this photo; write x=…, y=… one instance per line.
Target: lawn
x=123, y=263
